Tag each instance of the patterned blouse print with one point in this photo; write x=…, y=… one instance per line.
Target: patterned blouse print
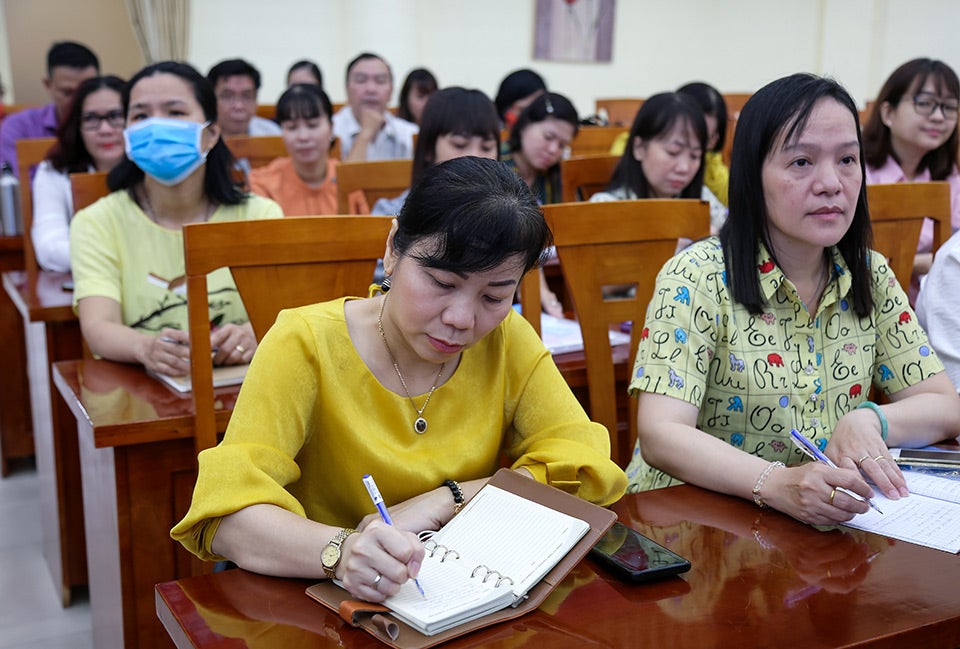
x=754, y=377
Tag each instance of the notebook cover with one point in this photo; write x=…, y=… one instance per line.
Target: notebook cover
x=392, y=631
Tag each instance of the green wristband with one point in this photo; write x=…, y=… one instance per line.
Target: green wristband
x=882, y=417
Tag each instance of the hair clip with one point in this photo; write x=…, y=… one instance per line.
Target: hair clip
x=546, y=99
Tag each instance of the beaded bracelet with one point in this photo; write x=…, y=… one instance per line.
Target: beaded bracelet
x=457, y=495
x=763, y=476
x=883, y=418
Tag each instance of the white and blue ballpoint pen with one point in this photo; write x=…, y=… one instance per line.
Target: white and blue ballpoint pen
x=377, y=499
x=808, y=448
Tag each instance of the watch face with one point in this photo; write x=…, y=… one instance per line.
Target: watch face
x=329, y=556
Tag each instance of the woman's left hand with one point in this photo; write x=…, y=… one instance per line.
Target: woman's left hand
x=234, y=344
x=856, y=443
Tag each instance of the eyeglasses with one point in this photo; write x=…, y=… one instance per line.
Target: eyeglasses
x=243, y=97
x=926, y=105
x=92, y=121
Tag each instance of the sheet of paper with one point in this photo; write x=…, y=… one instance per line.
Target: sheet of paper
x=916, y=519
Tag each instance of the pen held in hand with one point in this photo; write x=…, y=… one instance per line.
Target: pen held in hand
x=377, y=499
x=812, y=451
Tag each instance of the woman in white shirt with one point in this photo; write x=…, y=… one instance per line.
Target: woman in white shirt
x=89, y=139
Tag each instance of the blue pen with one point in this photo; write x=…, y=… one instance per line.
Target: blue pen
x=807, y=447
x=377, y=499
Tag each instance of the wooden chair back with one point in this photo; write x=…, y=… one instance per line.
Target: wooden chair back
x=896, y=214
x=734, y=102
x=267, y=111
x=620, y=111
x=30, y=153
x=88, y=188
x=582, y=177
x=613, y=244
x=276, y=264
x=361, y=184
x=257, y=150
x=595, y=140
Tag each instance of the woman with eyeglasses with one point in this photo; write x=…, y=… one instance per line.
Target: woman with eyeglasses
x=911, y=136
x=89, y=139
x=128, y=264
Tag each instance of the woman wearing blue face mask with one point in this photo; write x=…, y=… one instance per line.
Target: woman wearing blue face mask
x=128, y=247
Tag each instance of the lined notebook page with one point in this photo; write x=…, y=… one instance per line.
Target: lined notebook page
x=917, y=519
x=514, y=536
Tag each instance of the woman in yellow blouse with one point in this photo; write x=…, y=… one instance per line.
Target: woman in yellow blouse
x=428, y=387
x=785, y=322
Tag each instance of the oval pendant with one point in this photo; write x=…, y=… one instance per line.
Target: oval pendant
x=420, y=425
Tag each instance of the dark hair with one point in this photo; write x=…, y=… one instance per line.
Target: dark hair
x=69, y=154
x=477, y=212
x=452, y=110
x=68, y=54
x=656, y=117
x=421, y=79
x=219, y=185
x=366, y=56
x=549, y=104
x=303, y=101
x=711, y=103
x=310, y=66
x=233, y=68
x=876, y=134
x=517, y=85
x=778, y=113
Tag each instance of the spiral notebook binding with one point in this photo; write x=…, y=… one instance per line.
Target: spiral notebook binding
x=488, y=573
x=433, y=548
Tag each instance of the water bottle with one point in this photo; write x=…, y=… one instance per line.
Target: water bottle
x=10, y=218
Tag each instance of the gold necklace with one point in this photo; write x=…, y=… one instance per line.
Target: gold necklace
x=420, y=424
x=148, y=208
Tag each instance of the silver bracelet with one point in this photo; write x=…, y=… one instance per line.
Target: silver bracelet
x=763, y=476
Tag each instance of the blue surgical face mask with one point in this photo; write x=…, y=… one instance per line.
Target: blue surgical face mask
x=168, y=150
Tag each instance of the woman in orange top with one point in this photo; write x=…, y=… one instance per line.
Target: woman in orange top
x=305, y=183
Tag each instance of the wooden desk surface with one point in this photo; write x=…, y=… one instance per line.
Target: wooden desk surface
x=759, y=579
x=40, y=296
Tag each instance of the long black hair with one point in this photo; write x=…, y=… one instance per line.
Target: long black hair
x=70, y=154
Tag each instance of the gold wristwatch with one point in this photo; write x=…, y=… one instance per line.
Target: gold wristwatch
x=331, y=554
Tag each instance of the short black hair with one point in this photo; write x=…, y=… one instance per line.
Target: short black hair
x=233, y=68
x=68, y=54
x=219, y=185
x=712, y=104
x=453, y=110
x=310, y=66
x=366, y=56
x=477, y=212
x=303, y=100
x=655, y=118
x=876, y=135
x=420, y=78
x=776, y=113
x=517, y=85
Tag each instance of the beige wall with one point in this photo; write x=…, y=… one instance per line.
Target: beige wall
x=737, y=45
x=32, y=25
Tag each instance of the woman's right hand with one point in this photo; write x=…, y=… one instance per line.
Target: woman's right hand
x=167, y=353
x=379, y=550
x=810, y=493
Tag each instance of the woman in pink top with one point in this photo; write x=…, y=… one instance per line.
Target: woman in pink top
x=305, y=183
x=911, y=136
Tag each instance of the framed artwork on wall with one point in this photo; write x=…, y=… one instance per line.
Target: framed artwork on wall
x=574, y=30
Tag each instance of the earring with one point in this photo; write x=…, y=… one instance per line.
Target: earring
x=385, y=284
x=546, y=99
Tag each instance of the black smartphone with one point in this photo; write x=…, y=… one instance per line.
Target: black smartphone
x=929, y=457
x=635, y=557
x=67, y=285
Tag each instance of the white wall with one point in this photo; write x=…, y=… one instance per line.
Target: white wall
x=5, y=74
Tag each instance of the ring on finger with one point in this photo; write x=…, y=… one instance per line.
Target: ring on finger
x=376, y=581
x=879, y=457
x=240, y=349
x=833, y=492
x=860, y=461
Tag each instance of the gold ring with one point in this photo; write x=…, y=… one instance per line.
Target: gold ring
x=879, y=457
x=240, y=348
x=860, y=461
x=833, y=492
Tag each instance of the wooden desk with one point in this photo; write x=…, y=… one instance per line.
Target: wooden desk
x=137, y=467
x=52, y=333
x=16, y=438
x=759, y=579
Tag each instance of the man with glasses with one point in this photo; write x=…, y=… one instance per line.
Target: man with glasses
x=68, y=65
x=236, y=83
x=367, y=130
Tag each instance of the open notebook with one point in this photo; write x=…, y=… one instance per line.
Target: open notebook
x=561, y=335
x=222, y=376
x=497, y=559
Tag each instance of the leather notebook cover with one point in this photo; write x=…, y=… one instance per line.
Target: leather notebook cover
x=375, y=618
